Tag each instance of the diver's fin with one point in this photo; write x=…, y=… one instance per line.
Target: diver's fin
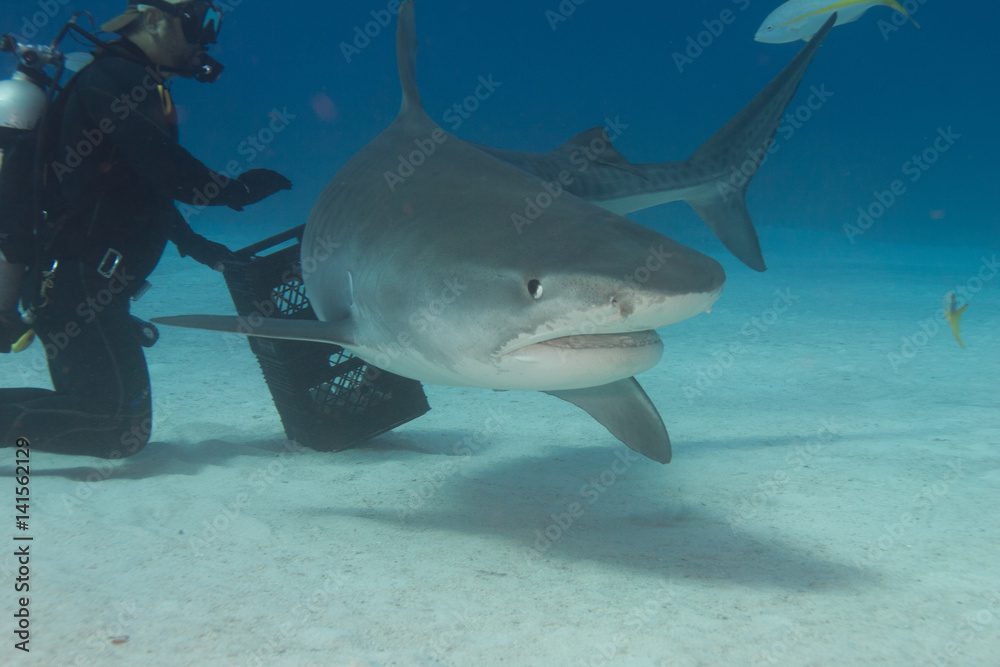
x=736, y=152
x=406, y=56
x=624, y=409
x=339, y=333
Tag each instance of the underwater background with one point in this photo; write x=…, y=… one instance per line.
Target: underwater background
x=833, y=494
x=890, y=91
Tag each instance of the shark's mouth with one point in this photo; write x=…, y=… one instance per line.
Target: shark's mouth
x=602, y=341
x=578, y=361
x=609, y=342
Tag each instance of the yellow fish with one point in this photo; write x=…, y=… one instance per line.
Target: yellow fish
x=953, y=314
x=801, y=19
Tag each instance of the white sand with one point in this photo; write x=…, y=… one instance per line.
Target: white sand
x=822, y=508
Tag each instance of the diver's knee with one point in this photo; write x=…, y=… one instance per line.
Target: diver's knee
x=133, y=439
x=131, y=444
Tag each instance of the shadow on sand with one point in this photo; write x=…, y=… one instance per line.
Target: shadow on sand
x=639, y=521
x=158, y=459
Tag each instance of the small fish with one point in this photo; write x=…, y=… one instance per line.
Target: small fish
x=801, y=19
x=953, y=314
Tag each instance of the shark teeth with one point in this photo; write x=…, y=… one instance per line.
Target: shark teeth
x=598, y=341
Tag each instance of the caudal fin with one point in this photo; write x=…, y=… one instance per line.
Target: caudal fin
x=737, y=151
x=894, y=4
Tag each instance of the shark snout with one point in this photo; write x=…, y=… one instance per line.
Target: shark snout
x=685, y=286
x=686, y=272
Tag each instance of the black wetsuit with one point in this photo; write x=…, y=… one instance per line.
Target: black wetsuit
x=113, y=171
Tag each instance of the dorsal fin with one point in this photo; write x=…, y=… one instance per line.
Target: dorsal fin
x=597, y=147
x=596, y=141
x=406, y=56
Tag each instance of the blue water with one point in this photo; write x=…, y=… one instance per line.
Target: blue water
x=760, y=544
x=890, y=96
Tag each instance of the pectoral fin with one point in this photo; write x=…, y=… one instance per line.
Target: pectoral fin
x=338, y=333
x=624, y=409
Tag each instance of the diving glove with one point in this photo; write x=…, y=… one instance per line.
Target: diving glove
x=15, y=335
x=211, y=254
x=253, y=186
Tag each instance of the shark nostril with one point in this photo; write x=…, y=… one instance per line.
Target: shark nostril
x=624, y=307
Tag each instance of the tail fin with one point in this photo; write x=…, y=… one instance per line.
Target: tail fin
x=737, y=151
x=894, y=4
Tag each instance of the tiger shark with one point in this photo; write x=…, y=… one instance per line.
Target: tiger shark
x=414, y=260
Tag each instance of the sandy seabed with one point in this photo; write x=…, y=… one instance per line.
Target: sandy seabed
x=832, y=500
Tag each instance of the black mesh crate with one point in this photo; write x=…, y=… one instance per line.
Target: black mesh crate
x=328, y=399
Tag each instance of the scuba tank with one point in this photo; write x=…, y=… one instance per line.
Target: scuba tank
x=24, y=101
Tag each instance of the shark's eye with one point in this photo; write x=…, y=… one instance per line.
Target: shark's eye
x=535, y=289
x=770, y=28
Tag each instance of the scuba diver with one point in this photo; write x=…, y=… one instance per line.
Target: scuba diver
x=107, y=171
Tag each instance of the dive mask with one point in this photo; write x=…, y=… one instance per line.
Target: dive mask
x=201, y=20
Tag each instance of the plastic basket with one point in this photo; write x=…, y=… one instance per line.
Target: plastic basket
x=328, y=399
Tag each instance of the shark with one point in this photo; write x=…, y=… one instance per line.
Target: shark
x=416, y=259
x=714, y=181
